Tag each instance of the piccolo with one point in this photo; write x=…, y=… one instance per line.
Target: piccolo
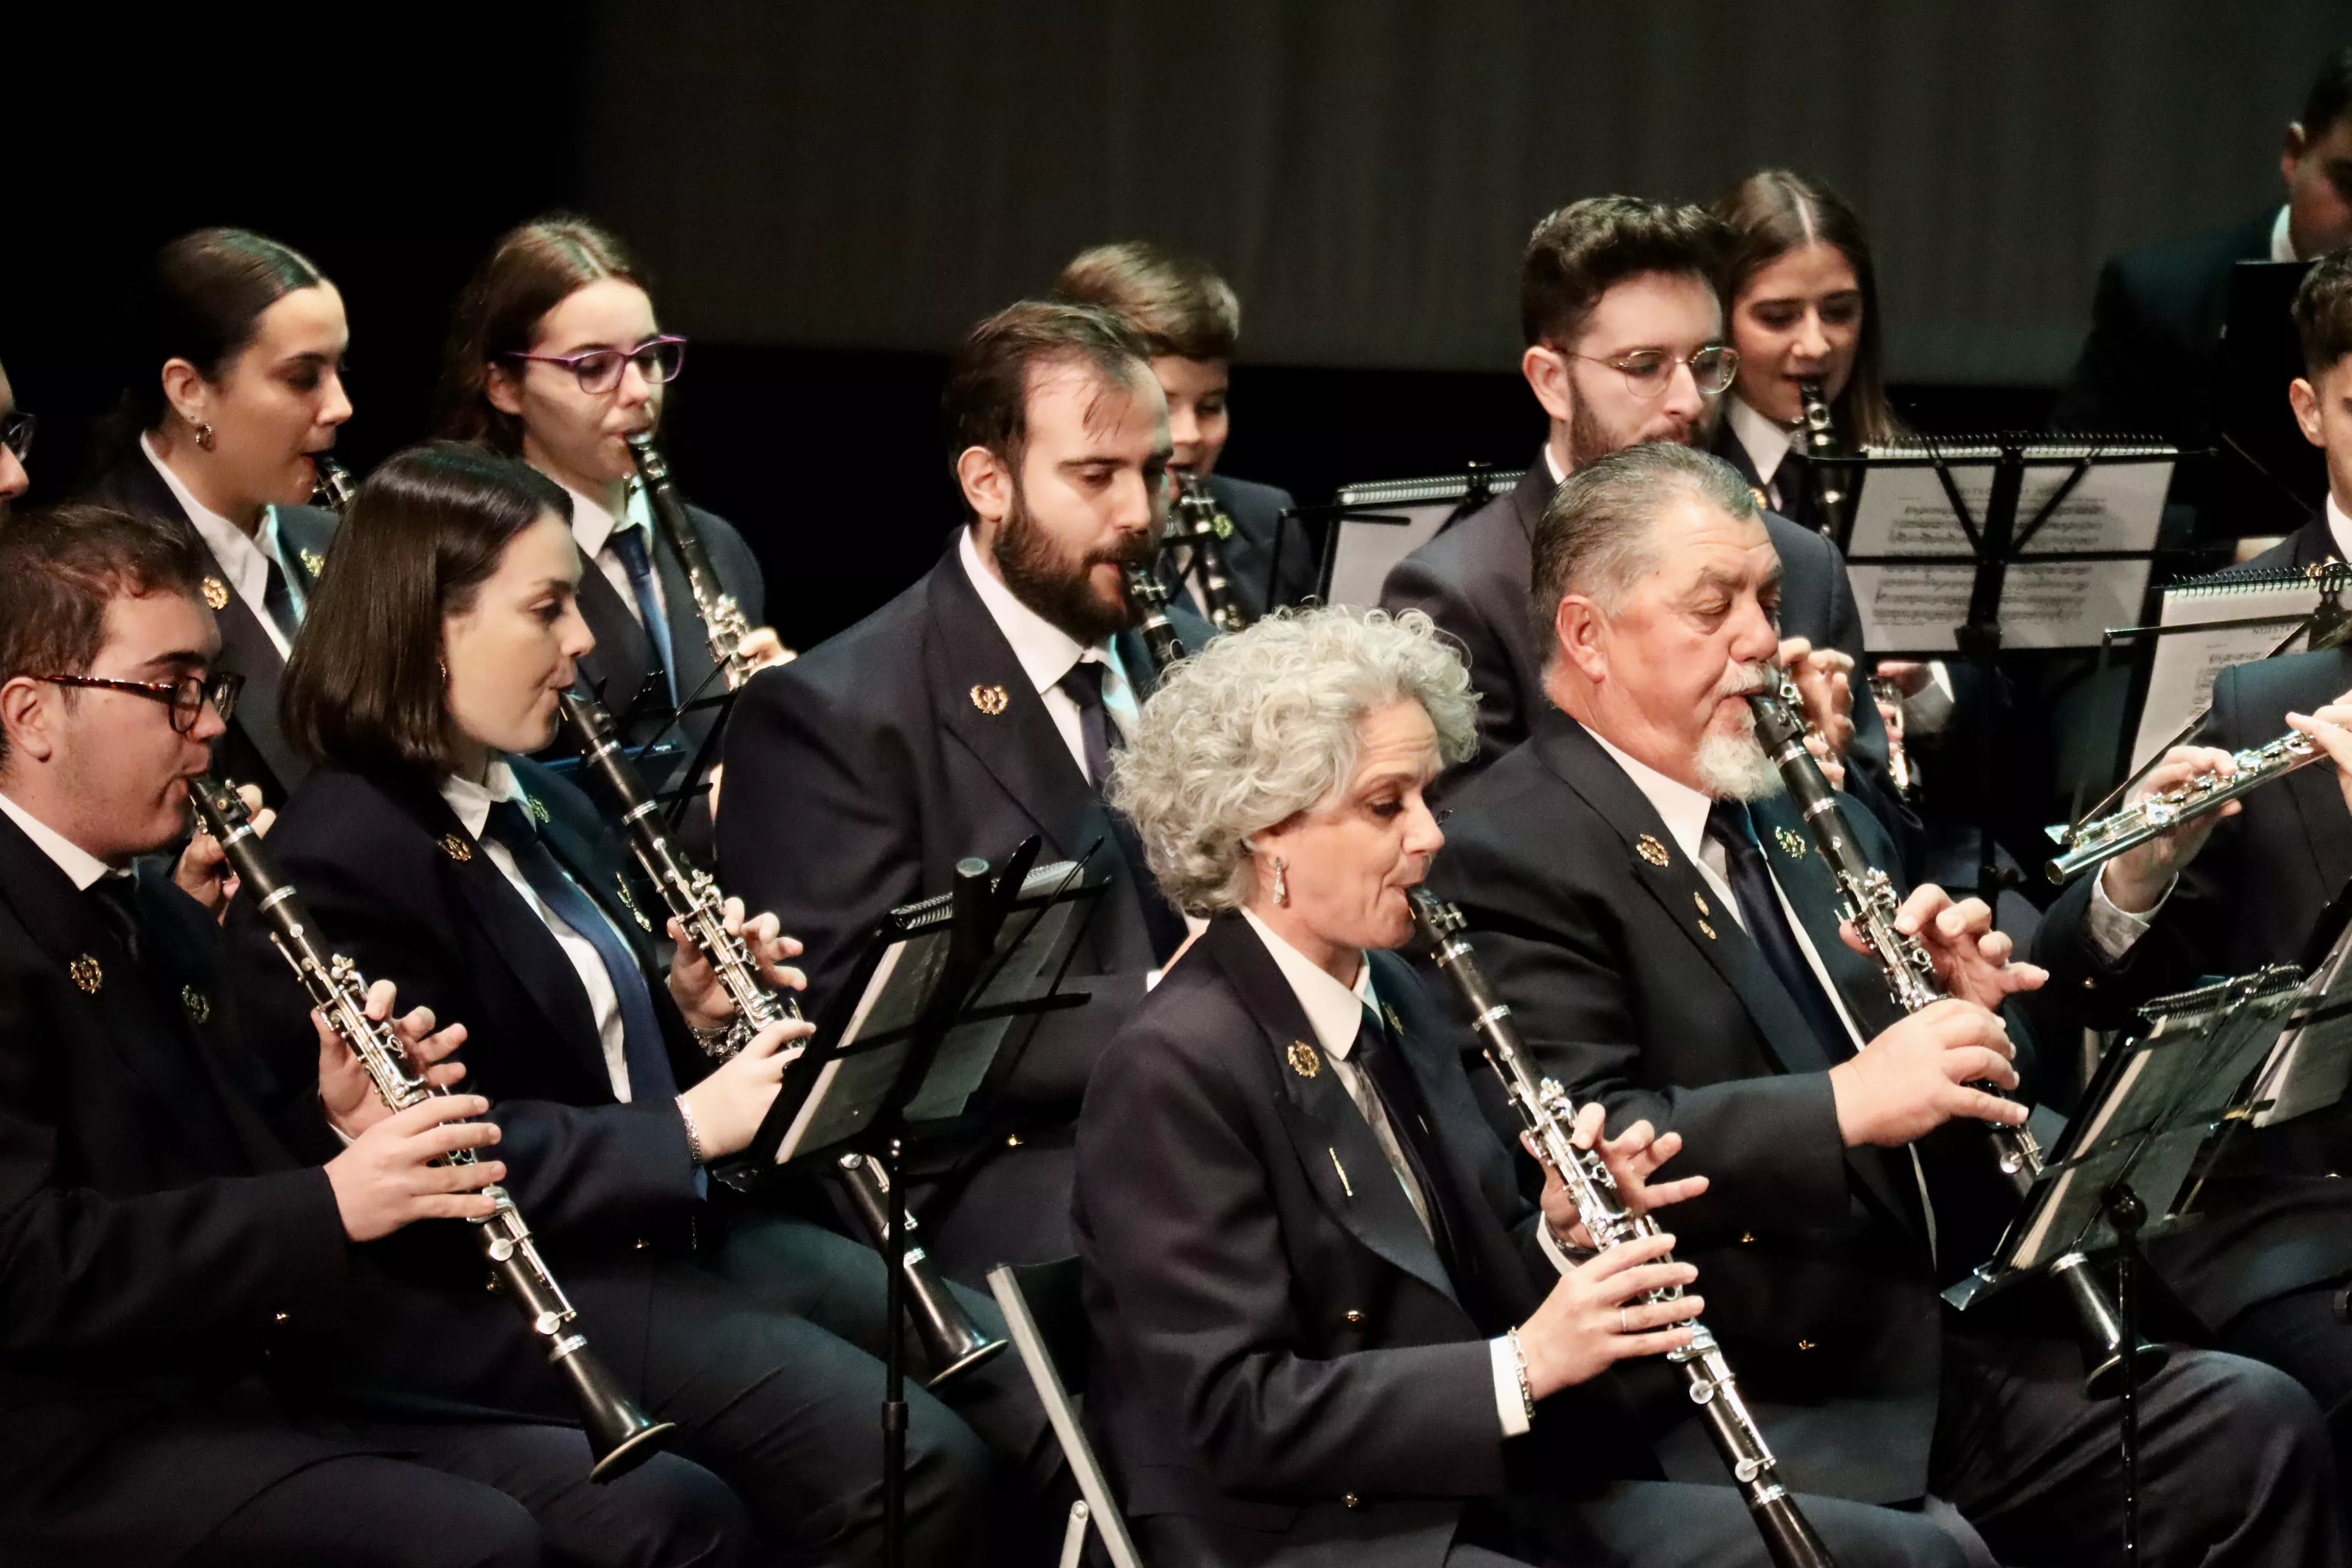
x=1149, y=594
x=1867, y=900
x=1544, y=1112
x=952, y=1342
x=1204, y=528
x=2103, y=838
x=723, y=622
x=620, y=1436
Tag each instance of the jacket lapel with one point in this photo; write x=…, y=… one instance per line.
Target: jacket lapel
x=1334, y=1143
x=616, y=669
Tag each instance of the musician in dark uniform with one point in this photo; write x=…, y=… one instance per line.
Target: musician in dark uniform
x=232, y=391
x=2155, y=321
x=1625, y=345
x=1669, y=945
x=436, y=856
x=177, y=1280
x=554, y=356
x=16, y=447
x=1192, y=319
x=978, y=708
x=2322, y=400
x=1328, y=1326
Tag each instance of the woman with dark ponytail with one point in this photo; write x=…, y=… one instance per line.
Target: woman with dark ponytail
x=232, y=391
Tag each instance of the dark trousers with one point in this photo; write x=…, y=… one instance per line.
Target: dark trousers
x=2235, y=1465
x=2306, y=1336
x=479, y=1495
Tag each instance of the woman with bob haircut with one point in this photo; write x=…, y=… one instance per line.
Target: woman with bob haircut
x=434, y=853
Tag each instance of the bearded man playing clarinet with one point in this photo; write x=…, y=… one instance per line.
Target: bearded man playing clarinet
x=1670, y=945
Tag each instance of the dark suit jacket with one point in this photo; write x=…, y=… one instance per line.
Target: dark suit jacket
x=2275, y=1218
x=2307, y=546
x=2155, y=325
x=1796, y=500
x=1632, y=988
x=1249, y=552
x=1285, y=1371
x=153, y=1230
x=254, y=751
x=1472, y=580
x=856, y=777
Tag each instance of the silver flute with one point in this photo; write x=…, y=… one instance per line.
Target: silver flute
x=620, y=1436
x=1868, y=901
x=2103, y=838
x=952, y=1342
x=724, y=623
x=1544, y=1112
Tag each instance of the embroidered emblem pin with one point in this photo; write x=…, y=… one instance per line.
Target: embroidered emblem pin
x=1793, y=843
x=628, y=900
x=1700, y=900
x=990, y=699
x=197, y=1005
x=216, y=593
x=1396, y=1025
x=86, y=974
x=1303, y=1060
x=456, y=848
x=1763, y=502
x=1650, y=850
x=313, y=562
x=1706, y=930
x=538, y=806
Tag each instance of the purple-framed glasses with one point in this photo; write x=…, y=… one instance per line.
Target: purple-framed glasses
x=658, y=360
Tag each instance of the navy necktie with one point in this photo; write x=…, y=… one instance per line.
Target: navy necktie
x=278, y=598
x=1084, y=684
x=651, y=1080
x=629, y=545
x=116, y=894
x=1727, y=824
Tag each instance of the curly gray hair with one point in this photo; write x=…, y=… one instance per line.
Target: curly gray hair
x=1262, y=724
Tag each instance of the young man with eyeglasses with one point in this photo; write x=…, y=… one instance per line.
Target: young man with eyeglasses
x=16, y=445
x=183, y=1276
x=1625, y=345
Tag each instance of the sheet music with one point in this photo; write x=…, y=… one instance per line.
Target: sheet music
x=2182, y=671
x=1904, y=512
x=2065, y=603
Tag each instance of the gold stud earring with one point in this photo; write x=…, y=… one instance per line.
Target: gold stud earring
x=1281, y=887
x=204, y=436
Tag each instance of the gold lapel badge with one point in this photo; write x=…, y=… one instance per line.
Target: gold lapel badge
x=1706, y=930
x=1396, y=1025
x=538, y=807
x=629, y=901
x=990, y=699
x=1793, y=843
x=456, y=848
x=313, y=562
x=1303, y=1060
x=1648, y=847
x=86, y=974
x=197, y=1005
x=216, y=593
x=1700, y=900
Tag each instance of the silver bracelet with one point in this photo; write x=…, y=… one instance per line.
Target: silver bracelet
x=722, y=1040
x=694, y=1153
x=1527, y=1389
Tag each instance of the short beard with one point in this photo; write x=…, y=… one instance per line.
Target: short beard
x=1588, y=441
x=1043, y=578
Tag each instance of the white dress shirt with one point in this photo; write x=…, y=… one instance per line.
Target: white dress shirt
x=2340, y=527
x=592, y=527
x=2283, y=239
x=244, y=558
x=1047, y=653
x=1335, y=1012
x=472, y=803
x=83, y=867
x=1765, y=441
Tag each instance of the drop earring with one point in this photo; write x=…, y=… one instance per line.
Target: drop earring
x=204, y=436
x=1281, y=887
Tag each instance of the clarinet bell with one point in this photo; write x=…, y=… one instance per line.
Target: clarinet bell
x=620, y=1436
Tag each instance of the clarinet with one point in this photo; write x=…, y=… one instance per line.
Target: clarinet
x=1544, y=1112
x=620, y=1436
x=331, y=485
x=1822, y=441
x=1867, y=899
x=952, y=1342
x=1206, y=529
x=1149, y=594
x=2103, y=838
x=724, y=623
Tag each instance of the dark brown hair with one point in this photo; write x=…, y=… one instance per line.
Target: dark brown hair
x=2330, y=95
x=1580, y=252
x=59, y=569
x=364, y=685
x=986, y=402
x=2323, y=312
x=1775, y=211
x=199, y=299
x=1179, y=305
x=531, y=269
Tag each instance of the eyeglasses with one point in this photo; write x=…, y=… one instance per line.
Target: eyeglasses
x=185, y=696
x=16, y=434
x=658, y=360
x=1649, y=371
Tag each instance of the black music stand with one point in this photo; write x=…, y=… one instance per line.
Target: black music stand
x=907, y=1042
x=1997, y=540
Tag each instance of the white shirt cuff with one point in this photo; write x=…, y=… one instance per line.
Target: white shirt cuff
x=2111, y=931
x=1928, y=711
x=1507, y=1403
x=1551, y=1247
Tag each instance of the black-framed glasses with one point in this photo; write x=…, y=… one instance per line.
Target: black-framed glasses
x=16, y=434
x=1649, y=371
x=658, y=360
x=185, y=695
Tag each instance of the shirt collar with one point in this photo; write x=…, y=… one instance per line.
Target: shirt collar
x=593, y=527
x=84, y=868
x=1551, y=466
x=1046, y=652
x=1765, y=441
x=2282, y=239
x=1682, y=808
x=1334, y=1011
x=472, y=801
x=2340, y=528
x=244, y=556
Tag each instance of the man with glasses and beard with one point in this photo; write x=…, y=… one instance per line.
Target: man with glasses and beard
x=976, y=709
x=1625, y=345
